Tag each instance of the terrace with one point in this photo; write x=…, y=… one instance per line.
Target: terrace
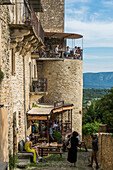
x=53, y=40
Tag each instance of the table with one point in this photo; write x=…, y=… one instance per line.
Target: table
x=49, y=149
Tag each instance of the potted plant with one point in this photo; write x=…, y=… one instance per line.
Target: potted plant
x=1, y=75
x=57, y=136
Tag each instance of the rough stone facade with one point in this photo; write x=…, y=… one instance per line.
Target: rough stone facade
x=3, y=135
x=105, y=153
x=15, y=87
x=65, y=82
x=52, y=18
x=5, y=63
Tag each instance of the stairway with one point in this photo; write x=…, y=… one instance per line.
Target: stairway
x=24, y=158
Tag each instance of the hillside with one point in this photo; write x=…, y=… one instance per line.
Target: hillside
x=102, y=80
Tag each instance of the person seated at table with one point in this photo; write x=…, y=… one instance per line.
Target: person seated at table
x=60, y=51
x=51, y=133
x=42, y=51
x=67, y=52
x=75, y=52
x=29, y=148
x=79, y=52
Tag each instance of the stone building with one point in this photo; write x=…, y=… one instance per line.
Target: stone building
x=64, y=76
x=20, y=34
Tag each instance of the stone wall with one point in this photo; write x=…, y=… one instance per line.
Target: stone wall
x=65, y=83
x=88, y=140
x=105, y=154
x=52, y=18
x=5, y=94
x=3, y=135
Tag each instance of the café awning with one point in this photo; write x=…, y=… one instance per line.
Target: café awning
x=62, y=35
x=42, y=112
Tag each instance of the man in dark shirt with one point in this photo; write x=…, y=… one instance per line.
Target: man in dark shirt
x=94, y=150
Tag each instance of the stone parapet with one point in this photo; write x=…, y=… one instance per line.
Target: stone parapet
x=105, y=153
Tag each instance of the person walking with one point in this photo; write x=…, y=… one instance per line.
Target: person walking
x=72, y=149
x=94, y=150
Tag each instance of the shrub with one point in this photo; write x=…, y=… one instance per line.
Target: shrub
x=90, y=128
x=57, y=136
x=12, y=160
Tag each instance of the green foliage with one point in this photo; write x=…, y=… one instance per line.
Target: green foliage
x=12, y=161
x=92, y=114
x=100, y=110
x=90, y=94
x=57, y=136
x=90, y=128
x=1, y=75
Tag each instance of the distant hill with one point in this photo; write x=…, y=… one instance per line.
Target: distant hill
x=102, y=80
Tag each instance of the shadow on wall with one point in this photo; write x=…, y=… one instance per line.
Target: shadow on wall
x=4, y=135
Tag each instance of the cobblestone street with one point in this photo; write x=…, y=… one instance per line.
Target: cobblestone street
x=54, y=162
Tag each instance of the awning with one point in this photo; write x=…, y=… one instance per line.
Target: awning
x=65, y=107
x=62, y=35
x=36, y=4
x=42, y=112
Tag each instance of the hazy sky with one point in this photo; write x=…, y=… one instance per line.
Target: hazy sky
x=94, y=20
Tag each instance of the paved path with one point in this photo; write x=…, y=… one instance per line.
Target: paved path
x=57, y=163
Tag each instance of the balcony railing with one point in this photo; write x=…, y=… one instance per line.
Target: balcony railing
x=39, y=85
x=60, y=55
x=22, y=13
x=37, y=25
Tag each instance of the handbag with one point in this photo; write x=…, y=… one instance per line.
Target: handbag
x=69, y=145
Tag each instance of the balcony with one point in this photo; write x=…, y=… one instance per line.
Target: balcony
x=26, y=31
x=52, y=40
x=38, y=86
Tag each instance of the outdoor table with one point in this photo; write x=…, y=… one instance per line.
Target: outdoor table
x=49, y=149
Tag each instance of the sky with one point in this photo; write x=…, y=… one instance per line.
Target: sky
x=94, y=20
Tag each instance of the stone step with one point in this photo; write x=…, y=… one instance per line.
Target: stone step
x=22, y=163
x=25, y=155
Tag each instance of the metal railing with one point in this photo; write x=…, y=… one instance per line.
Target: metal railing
x=37, y=25
x=21, y=13
x=39, y=85
x=63, y=55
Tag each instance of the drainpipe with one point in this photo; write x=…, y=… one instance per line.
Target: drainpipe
x=24, y=97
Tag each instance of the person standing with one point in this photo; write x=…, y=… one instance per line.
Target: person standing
x=94, y=150
x=72, y=149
